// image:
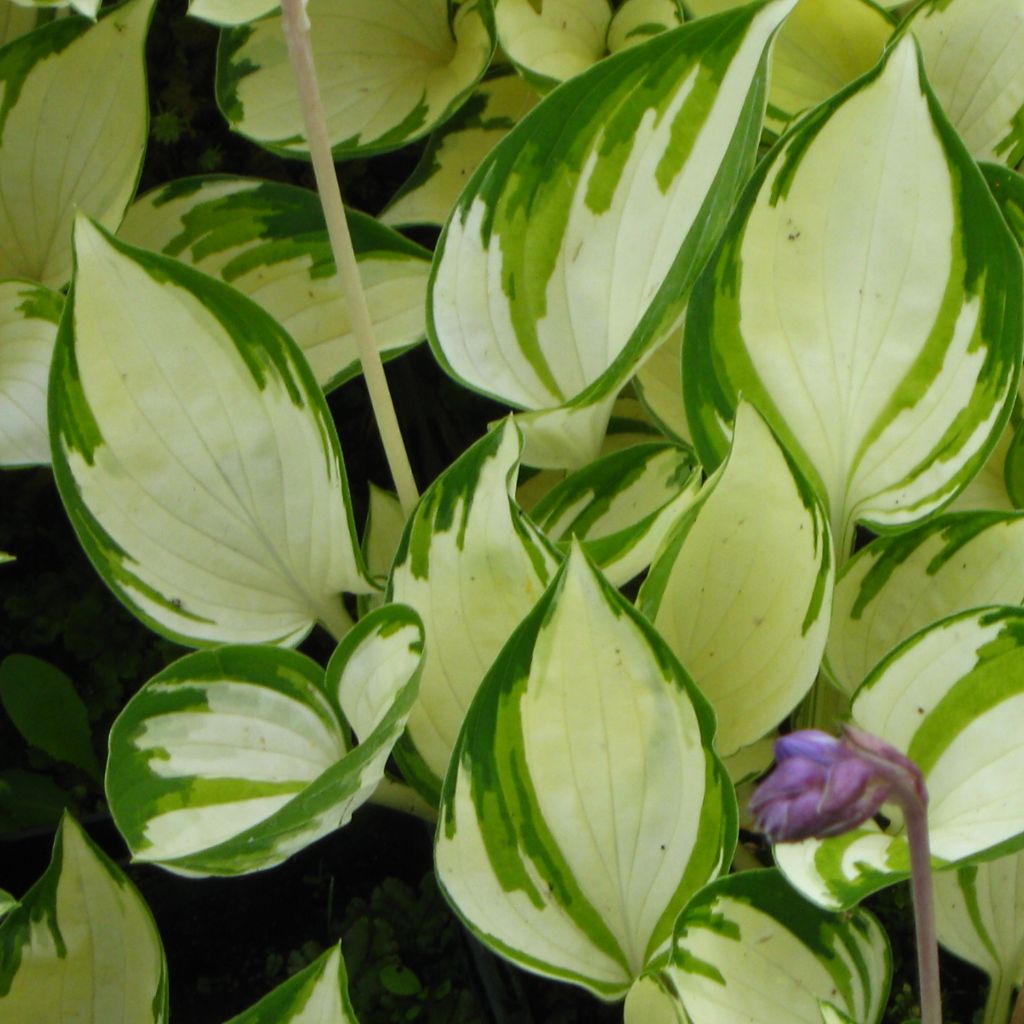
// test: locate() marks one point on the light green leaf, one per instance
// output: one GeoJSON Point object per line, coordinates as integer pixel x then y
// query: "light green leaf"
{"type": "Point", "coordinates": [5, 557]}
{"type": "Point", "coordinates": [742, 587]}
{"type": "Point", "coordinates": [318, 994]}
{"type": "Point", "coordinates": [979, 914]}
{"type": "Point", "coordinates": [231, 760]}
{"type": "Point", "coordinates": [988, 491]}
{"type": "Point", "coordinates": [621, 506]}
{"type": "Point", "coordinates": [7, 903]}
{"type": "Point", "coordinates": [472, 565]}
{"type": "Point", "coordinates": [898, 585]}
{"type": "Point", "coordinates": [73, 126]}
{"type": "Point", "coordinates": [635, 21]}
{"type": "Point", "coordinates": [886, 342]}
{"type": "Point", "coordinates": [824, 45]}
{"type": "Point", "coordinates": [86, 7]}
{"type": "Point", "coordinates": [385, 523]}
{"type": "Point", "coordinates": [569, 256]}
{"type": "Point", "coordinates": [554, 40]}
{"type": "Point", "coordinates": [269, 242]}
{"type": "Point", "coordinates": [974, 54]}
{"type": "Point", "coordinates": [29, 314]}
{"type": "Point", "coordinates": [584, 805]}
{"type": "Point", "coordinates": [456, 149]}
{"type": "Point", "coordinates": [659, 385]}
{"type": "Point", "coordinates": [952, 699]}
{"type": "Point", "coordinates": [196, 455]}
{"type": "Point", "coordinates": [653, 1000]}
{"type": "Point", "coordinates": [42, 703]}
{"type": "Point", "coordinates": [82, 946]}
{"type": "Point", "coordinates": [417, 67]}
{"type": "Point", "coordinates": [231, 12]}
{"type": "Point", "coordinates": [16, 20]}
{"type": "Point", "coordinates": [748, 950]}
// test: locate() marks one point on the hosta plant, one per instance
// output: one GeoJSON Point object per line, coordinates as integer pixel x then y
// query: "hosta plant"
{"type": "Point", "coordinates": [746, 284]}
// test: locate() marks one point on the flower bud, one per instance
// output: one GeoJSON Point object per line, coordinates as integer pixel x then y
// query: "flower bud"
{"type": "Point", "coordinates": [826, 785]}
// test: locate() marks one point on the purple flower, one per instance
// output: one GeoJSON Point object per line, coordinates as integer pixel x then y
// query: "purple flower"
{"type": "Point", "coordinates": [826, 785]}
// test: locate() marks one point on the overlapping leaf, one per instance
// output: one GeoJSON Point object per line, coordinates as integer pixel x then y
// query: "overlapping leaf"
{"type": "Point", "coordinates": [572, 249]}
{"type": "Point", "coordinates": [29, 314]}
{"type": "Point", "coordinates": [748, 950]}
{"type": "Point", "coordinates": [952, 699]}
{"type": "Point", "coordinates": [456, 149]}
{"type": "Point", "coordinates": [741, 589]}
{"type": "Point", "coordinates": [870, 307]}
{"type": "Point", "coordinates": [196, 455]}
{"type": "Point", "coordinates": [231, 760]}
{"type": "Point", "coordinates": [472, 565]}
{"type": "Point", "coordinates": [621, 506]}
{"type": "Point", "coordinates": [231, 12]}
{"type": "Point", "coordinates": [73, 124]}
{"type": "Point", "coordinates": [974, 53]}
{"type": "Point", "coordinates": [979, 914]}
{"type": "Point", "coordinates": [898, 585]}
{"type": "Point", "coordinates": [584, 805]}
{"type": "Point", "coordinates": [82, 946]}
{"type": "Point", "coordinates": [389, 72]}
{"type": "Point", "coordinates": [269, 241]}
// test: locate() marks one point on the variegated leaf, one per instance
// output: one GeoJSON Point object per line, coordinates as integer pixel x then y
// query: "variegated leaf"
{"type": "Point", "coordinates": [898, 585]}
{"type": "Point", "coordinates": [231, 12]}
{"type": "Point", "coordinates": [1013, 467]}
{"type": "Point", "coordinates": [554, 40]}
{"type": "Point", "coordinates": [269, 241]}
{"type": "Point", "coordinates": [742, 587]}
{"type": "Point", "coordinates": [231, 760]}
{"type": "Point", "coordinates": [29, 314]}
{"type": "Point", "coordinates": [748, 950]}
{"type": "Point", "coordinates": [73, 128]}
{"type": "Point", "coordinates": [621, 506]}
{"type": "Point", "coordinates": [196, 455]}
{"type": "Point", "coordinates": [989, 490]}
{"type": "Point", "coordinates": [456, 149]}
{"type": "Point", "coordinates": [952, 699]}
{"type": "Point", "coordinates": [318, 994]}
{"type": "Point", "coordinates": [87, 7]}
{"type": "Point", "coordinates": [1007, 189]}
{"type": "Point", "coordinates": [569, 257]}
{"type": "Point", "coordinates": [979, 914]}
{"type": "Point", "coordinates": [568, 842]}
{"type": "Point", "coordinates": [472, 565]}
{"type": "Point", "coordinates": [974, 54]}
{"type": "Point", "coordinates": [82, 946]}
{"type": "Point", "coordinates": [390, 71]}
{"type": "Point", "coordinates": [883, 343]}
{"type": "Point", "coordinates": [635, 21]}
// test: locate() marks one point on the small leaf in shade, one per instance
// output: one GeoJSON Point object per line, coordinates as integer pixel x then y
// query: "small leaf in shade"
{"type": "Point", "coordinates": [318, 994]}
{"type": "Point", "coordinates": [7, 902]}
{"type": "Point", "coordinates": [48, 712]}
{"type": "Point", "coordinates": [82, 946]}
{"type": "Point", "coordinates": [29, 800]}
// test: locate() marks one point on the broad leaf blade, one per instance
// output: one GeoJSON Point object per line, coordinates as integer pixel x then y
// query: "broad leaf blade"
{"type": "Point", "coordinates": [231, 12]}
{"type": "Point", "coordinates": [231, 760]}
{"type": "Point", "coordinates": [898, 585]}
{"type": "Point", "coordinates": [569, 256]}
{"type": "Point", "coordinates": [29, 314]}
{"type": "Point", "coordinates": [269, 242]}
{"type": "Point", "coordinates": [417, 67]}
{"type": "Point", "coordinates": [952, 699]}
{"type": "Point", "coordinates": [748, 950]}
{"type": "Point", "coordinates": [82, 945]}
{"type": "Point", "coordinates": [974, 53]}
{"type": "Point", "coordinates": [472, 566]}
{"type": "Point", "coordinates": [742, 587]}
{"type": "Point", "coordinates": [196, 455]}
{"type": "Point", "coordinates": [318, 994]}
{"type": "Point", "coordinates": [72, 135]}
{"type": "Point", "coordinates": [885, 345]}
{"type": "Point", "coordinates": [539, 845]}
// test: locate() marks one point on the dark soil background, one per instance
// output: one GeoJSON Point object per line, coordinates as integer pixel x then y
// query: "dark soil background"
{"type": "Point", "coordinates": [228, 942]}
